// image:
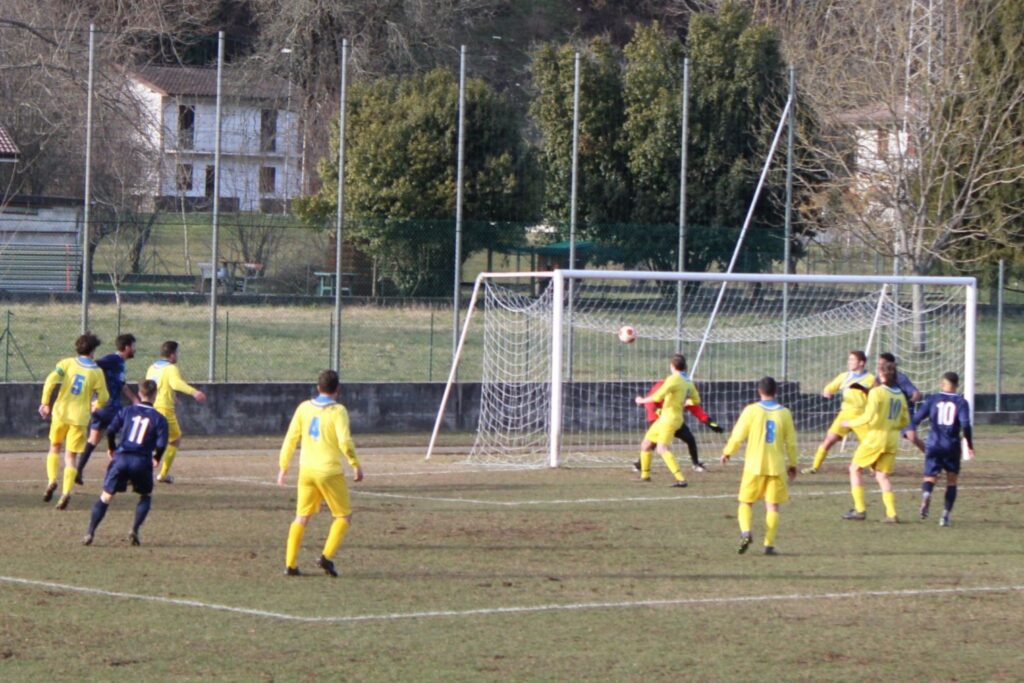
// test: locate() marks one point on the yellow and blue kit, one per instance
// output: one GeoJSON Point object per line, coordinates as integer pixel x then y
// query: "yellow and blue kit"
{"type": "Point", "coordinates": [767, 428]}
{"type": "Point", "coordinates": [168, 380]}
{"type": "Point", "coordinates": [853, 399]}
{"type": "Point", "coordinates": [80, 378]}
{"type": "Point", "coordinates": [673, 394]}
{"type": "Point", "coordinates": [320, 428]}
{"type": "Point", "coordinates": [884, 416]}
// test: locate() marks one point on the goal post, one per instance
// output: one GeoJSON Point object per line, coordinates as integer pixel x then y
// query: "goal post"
{"type": "Point", "coordinates": [535, 411]}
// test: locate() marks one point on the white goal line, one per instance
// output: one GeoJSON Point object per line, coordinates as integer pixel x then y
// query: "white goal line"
{"type": "Point", "coordinates": [525, 609]}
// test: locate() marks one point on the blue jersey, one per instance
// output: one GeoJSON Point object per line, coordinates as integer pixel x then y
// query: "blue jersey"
{"type": "Point", "coordinates": [950, 416]}
{"type": "Point", "coordinates": [113, 368]}
{"type": "Point", "coordinates": [140, 430]}
{"type": "Point", "coordinates": [905, 385]}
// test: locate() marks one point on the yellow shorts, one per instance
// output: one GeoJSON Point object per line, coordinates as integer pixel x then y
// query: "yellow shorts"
{"type": "Point", "coordinates": [74, 434]}
{"type": "Point", "coordinates": [173, 428]}
{"type": "Point", "coordinates": [755, 487]}
{"type": "Point", "coordinates": [315, 487]}
{"type": "Point", "coordinates": [839, 430]}
{"type": "Point", "coordinates": [663, 431]}
{"type": "Point", "coordinates": [880, 461]}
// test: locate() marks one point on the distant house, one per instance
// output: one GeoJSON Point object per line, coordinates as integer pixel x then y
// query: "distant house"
{"type": "Point", "coordinates": [882, 151]}
{"type": "Point", "coordinates": [261, 158]}
{"type": "Point", "coordinates": [40, 241]}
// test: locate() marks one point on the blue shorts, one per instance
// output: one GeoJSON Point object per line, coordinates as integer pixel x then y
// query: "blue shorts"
{"type": "Point", "coordinates": [129, 468]}
{"type": "Point", "coordinates": [102, 418]}
{"type": "Point", "coordinates": [935, 462]}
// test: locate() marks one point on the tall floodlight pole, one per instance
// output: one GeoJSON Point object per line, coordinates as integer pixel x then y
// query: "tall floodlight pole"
{"type": "Point", "coordinates": [786, 255]}
{"type": "Point", "coordinates": [572, 199]}
{"type": "Point", "coordinates": [86, 213]}
{"type": "Point", "coordinates": [287, 137]}
{"type": "Point", "coordinates": [340, 216]}
{"type": "Point", "coordinates": [681, 249]}
{"type": "Point", "coordinates": [459, 155]}
{"type": "Point", "coordinates": [214, 242]}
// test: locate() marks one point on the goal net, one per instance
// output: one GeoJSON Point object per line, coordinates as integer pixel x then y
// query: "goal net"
{"type": "Point", "coordinates": [557, 385]}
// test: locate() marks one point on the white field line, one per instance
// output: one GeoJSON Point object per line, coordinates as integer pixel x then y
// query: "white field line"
{"type": "Point", "coordinates": [356, 491]}
{"type": "Point", "coordinates": [525, 609]}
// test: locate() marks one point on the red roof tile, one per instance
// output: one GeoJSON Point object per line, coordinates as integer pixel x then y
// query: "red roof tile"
{"type": "Point", "coordinates": [191, 81]}
{"type": "Point", "coordinates": [8, 150]}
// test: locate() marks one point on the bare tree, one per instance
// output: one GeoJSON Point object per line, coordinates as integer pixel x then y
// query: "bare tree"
{"type": "Point", "coordinates": [921, 140]}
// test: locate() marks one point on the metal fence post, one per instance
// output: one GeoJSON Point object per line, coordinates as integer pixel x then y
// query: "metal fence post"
{"type": "Point", "coordinates": [86, 217]}
{"type": "Point", "coordinates": [999, 336]}
{"type": "Point", "coordinates": [214, 245]}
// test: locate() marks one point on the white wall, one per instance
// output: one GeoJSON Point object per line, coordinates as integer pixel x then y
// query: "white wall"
{"type": "Point", "coordinates": [241, 158]}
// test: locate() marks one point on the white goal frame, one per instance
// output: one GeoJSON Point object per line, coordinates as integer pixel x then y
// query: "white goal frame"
{"type": "Point", "coordinates": [559, 277]}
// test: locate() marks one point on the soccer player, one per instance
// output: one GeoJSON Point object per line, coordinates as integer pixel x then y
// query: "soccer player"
{"type": "Point", "coordinates": [321, 426]}
{"type": "Point", "coordinates": [950, 417]}
{"type": "Point", "coordinates": [113, 367]}
{"type": "Point", "coordinates": [684, 433]}
{"type": "Point", "coordinates": [768, 429]}
{"type": "Point", "coordinates": [884, 416]}
{"type": "Point", "coordinates": [168, 380]}
{"type": "Point", "coordinates": [673, 395]}
{"type": "Point", "coordinates": [902, 381]}
{"type": "Point", "coordinates": [853, 386]}
{"type": "Point", "coordinates": [79, 379]}
{"type": "Point", "coordinates": [142, 433]}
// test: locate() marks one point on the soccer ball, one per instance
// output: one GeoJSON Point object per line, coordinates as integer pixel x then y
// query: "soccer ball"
{"type": "Point", "coordinates": [627, 335]}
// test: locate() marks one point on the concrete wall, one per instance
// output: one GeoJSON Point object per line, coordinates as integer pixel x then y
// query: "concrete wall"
{"type": "Point", "coordinates": [266, 408]}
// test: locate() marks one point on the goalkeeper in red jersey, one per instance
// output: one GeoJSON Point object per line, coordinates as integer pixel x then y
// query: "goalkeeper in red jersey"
{"type": "Point", "coordinates": [684, 433]}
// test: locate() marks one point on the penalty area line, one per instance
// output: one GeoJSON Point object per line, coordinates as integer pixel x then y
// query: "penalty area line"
{"type": "Point", "coordinates": [525, 609]}
{"type": "Point", "coordinates": [357, 492]}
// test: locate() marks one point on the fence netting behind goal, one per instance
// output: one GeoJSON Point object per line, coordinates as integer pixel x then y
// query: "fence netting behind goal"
{"type": "Point", "coordinates": [922, 325]}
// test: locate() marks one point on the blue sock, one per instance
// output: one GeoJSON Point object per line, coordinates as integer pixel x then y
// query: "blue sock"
{"type": "Point", "coordinates": [99, 510]}
{"type": "Point", "coordinates": [141, 510]}
{"type": "Point", "coordinates": [84, 457]}
{"type": "Point", "coordinates": [927, 488]}
{"type": "Point", "coordinates": [950, 499]}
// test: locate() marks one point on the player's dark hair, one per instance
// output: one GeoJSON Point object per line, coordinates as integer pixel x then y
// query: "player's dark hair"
{"type": "Point", "coordinates": [167, 348]}
{"type": "Point", "coordinates": [860, 355]}
{"type": "Point", "coordinates": [679, 362]}
{"type": "Point", "coordinates": [123, 341]}
{"type": "Point", "coordinates": [147, 388]}
{"type": "Point", "coordinates": [768, 386]}
{"type": "Point", "coordinates": [888, 373]}
{"type": "Point", "coordinates": [327, 382]}
{"type": "Point", "coordinates": [952, 378]}
{"type": "Point", "coordinates": [888, 357]}
{"type": "Point", "coordinates": [86, 344]}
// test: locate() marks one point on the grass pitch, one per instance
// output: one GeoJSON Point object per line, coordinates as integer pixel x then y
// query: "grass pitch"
{"type": "Point", "coordinates": [452, 572]}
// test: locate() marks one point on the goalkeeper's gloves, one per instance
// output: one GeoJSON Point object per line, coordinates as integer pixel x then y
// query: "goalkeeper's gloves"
{"type": "Point", "coordinates": [715, 427]}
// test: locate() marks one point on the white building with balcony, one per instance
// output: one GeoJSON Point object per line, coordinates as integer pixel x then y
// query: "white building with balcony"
{"type": "Point", "coordinates": [261, 152]}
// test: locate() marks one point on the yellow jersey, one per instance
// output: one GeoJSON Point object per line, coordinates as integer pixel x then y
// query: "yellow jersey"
{"type": "Point", "coordinates": [853, 399]}
{"type": "Point", "coordinates": [768, 429]}
{"type": "Point", "coordinates": [168, 380]}
{"type": "Point", "coordinates": [673, 394]}
{"type": "Point", "coordinates": [321, 424]}
{"type": "Point", "coordinates": [884, 416]}
{"type": "Point", "coordinates": [79, 378]}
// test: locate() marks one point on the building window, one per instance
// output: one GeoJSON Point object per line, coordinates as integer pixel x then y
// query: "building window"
{"type": "Point", "coordinates": [268, 179]}
{"type": "Point", "coordinates": [268, 130]}
{"type": "Point", "coordinates": [186, 126]}
{"type": "Point", "coordinates": [184, 177]}
{"type": "Point", "coordinates": [210, 171]}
